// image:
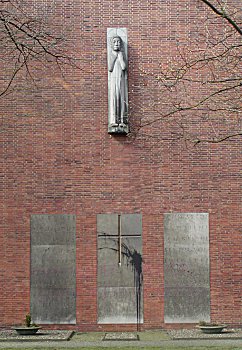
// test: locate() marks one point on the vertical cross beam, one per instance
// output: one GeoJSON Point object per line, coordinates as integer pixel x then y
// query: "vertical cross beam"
{"type": "Point", "coordinates": [119, 241]}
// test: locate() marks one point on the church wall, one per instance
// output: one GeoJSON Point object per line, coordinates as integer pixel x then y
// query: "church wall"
{"type": "Point", "coordinates": [58, 158]}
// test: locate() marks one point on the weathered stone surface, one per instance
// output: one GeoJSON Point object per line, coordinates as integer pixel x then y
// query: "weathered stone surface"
{"type": "Point", "coordinates": [53, 229]}
{"type": "Point", "coordinates": [186, 267]}
{"type": "Point", "coordinates": [53, 269]}
{"type": "Point", "coordinates": [120, 277]}
{"type": "Point", "coordinates": [52, 266]}
{"type": "Point", "coordinates": [110, 274]}
{"type": "Point", "coordinates": [131, 224]}
{"type": "Point", "coordinates": [107, 224]}
{"type": "Point", "coordinates": [53, 305]}
{"type": "Point", "coordinates": [119, 305]}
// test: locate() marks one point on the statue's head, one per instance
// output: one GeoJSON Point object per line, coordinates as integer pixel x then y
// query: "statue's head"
{"type": "Point", "coordinates": [116, 43]}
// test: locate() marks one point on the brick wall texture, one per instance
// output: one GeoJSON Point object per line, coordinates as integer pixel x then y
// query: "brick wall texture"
{"type": "Point", "coordinates": [57, 158]}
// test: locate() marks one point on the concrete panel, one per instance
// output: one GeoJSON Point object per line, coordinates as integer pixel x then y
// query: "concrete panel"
{"type": "Point", "coordinates": [120, 296]}
{"type": "Point", "coordinates": [53, 269]}
{"type": "Point", "coordinates": [119, 305]}
{"type": "Point", "coordinates": [53, 229]}
{"type": "Point", "coordinates": [53, 305]}
{"type": "Point", "coordinates": [52, 266]}
{"type": "Point", "coordinates": [131, 224]}
{"type": "Point", "coordinates": [109, 272]}
{"type": "Point", "coordinates": [186, 267]}
{"type": "Point", "coordinates": [107, 224]}
{"type": "Point", "coordinates": [190, 307]}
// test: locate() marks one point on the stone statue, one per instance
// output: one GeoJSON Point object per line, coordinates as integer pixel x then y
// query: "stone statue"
{"type": "Point", "coordinates": [118, 86]}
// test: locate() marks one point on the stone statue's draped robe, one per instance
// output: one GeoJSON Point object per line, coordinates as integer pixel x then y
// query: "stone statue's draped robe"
{"type": "Point", "coordinates": [118, 91]}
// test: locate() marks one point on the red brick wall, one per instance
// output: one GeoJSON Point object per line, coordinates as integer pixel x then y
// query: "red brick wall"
{"type": "Point", "coordinates": [58, 158]}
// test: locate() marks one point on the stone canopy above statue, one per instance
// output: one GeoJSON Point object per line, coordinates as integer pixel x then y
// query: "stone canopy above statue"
{"type": "Point", "coordinates": [117, 55]}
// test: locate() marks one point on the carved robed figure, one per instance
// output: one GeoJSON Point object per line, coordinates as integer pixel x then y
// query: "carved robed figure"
{"type": "Point", "coordinates": [118, 89]}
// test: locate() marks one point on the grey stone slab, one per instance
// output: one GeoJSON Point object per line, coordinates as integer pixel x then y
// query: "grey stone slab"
{"type": "Point", "coordinates": [53, 229]}
{"type": "Point", "coordinates": [120, 275]}
{"type": "Point", "coordinates": [110, 273]}
{"type": "Point", "coordinates": [186, 267]}
{"type": "Point", "coordinates": [53, 266]}
{"type": "Point", "coordinates": [53, 269]}
{"type": "Point", "coordinates": [187, 304]}
{"type": "Point", "coordinates": [107, 224]}
{"type": "Point", "coordinates": [53, 305]}
{"type": "Point", "coordinates": [119, 306]}
{"type": "Point", "coordinates": [131, 224]}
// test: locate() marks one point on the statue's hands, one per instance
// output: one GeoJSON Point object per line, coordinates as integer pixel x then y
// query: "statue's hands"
{"type": "Point", "coordinates": [116, 56]}
{"type": "Point", "coordinates": [120, 54]}
{"type": "Point", "coordinates": [121, 60]}
{"type": "Point", "coordinates": [115, 53]}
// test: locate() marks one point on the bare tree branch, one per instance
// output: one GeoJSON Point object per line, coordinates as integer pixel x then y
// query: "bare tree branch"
{"type": "Point", "coordinates": [26, 40]}
{"type": "Point", "coordinates": [195, 106]}
{"type": "Point", "coordinates": [197, 94]}
{"type": "Point", "coordinates": [224, 15]}
{"type": "Point", "coordinates": [217, 140]}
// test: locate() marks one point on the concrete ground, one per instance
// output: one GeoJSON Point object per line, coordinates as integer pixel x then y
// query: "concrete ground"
{"type": "Point", "coordinates": [161, 339]}
{"type": "Point", "coordinates": [234, 344]}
